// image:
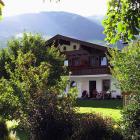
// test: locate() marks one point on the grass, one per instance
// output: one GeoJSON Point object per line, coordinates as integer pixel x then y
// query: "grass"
{"type": "Point", "coordinates": [110, 108]}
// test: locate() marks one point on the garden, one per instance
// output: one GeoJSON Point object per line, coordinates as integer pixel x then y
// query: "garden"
{"type": "Point", "coordinates": [107, 108]}
{"type": "Point", "coordinates": [34, 106]}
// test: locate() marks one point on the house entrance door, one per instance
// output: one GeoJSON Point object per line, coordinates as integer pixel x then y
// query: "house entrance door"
{"type": "Point", "coordinates": [92, 87]}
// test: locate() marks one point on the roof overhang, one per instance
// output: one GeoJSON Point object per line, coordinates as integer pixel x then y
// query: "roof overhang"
{"type": "Point", "coordinates": [91, 76]}
{"type": "Point", "coordinates": [84, 43]}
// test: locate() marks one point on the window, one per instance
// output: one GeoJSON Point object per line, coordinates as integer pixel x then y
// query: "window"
{"type": "Point", "coordinates": [73, 84]}
{"type": "Point", "coordinates": [64, 48]}
{"type": "Point", "coordinates": [106, 85]}
{"type": "Point", "coordinates": [74, 47]}
{"type": "Point", "coordinates": [70, 62]}
{"type": "Point", "coordinates": [66, 63]}
{"type": "Point", "coordinates": [103, 61]}
{"type": "Point", "coordinates": [75, 61]}
{"type": "Point", "coordinates": [92, 61]}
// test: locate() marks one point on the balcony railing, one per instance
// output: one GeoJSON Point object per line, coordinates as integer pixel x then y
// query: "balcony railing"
{"type": "Point", "coordinates": [89, 70]}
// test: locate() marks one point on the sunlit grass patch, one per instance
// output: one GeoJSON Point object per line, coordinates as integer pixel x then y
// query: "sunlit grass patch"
{"type": "Point", "coordinates": [109, 108]}
{"type": "Point", "coordinates": [113, 113]}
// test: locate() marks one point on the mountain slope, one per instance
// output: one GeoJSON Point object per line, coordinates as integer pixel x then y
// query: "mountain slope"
{"type": "Point", "coordinates": [50, 24]}
{"type": "Point", "coordinates": [97, 19]}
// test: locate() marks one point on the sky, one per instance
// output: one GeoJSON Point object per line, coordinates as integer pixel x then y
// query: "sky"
{"type": "Point", "coordinates": [81, 7]}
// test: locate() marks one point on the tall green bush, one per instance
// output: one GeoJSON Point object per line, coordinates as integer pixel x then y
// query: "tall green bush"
{"type": "Point", "coordinates": [126, 69]}
{"type": "Point", "coordinates": [131, 120]}
{"type": "Point", "coordinates": [33, 93]}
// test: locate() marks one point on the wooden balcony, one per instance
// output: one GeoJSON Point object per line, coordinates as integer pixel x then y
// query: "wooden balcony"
{"type": "Point", "coordinates": [89, 70]}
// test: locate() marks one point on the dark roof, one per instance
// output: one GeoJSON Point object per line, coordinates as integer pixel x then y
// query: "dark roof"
{"type": "Point", "coordinates": [84, 43]}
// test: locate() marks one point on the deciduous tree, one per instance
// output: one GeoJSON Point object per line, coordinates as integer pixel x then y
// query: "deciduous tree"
{"type": "Point", "coordinates": [34, 90]}
{"type": "Point", "coordinates": [122, 21]}
{"type": "Point", "coordinates": [126, 69]}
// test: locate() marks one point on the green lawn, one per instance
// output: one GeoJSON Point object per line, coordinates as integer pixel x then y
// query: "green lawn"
{"type": "Point", "coordinates": [110, 108]}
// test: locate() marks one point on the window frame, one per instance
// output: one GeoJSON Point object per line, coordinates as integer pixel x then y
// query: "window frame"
{"type": "Point", "coordinates": [64, 48]}
{"type": "Point", "coordinates": [101, 60]}
{"type": "Point", "coordinates": [109, 80]}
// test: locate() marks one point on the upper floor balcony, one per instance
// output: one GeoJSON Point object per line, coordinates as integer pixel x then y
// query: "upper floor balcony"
{"type": "Point", "coordinates": [89, 70]}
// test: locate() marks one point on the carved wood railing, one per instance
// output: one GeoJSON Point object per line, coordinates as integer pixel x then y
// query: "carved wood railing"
{"type": "Point", "coordinates": [89, 70]}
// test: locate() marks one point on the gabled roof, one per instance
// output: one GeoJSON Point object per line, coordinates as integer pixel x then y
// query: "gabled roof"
{"type": "Point", "coordinates": [84, 43]}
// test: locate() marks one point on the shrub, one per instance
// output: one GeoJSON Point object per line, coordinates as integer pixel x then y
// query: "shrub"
{"type": "Point", "coordinates": [71, 126]}
{"type": "Point", "coordinates": [3, 130]}
{"type": "Point", "coordinates": [52, 128]}
{"type": "Point", "coordinates": [95, 127]}
{"type": "Point", "coordinates": [131, 120]}
{"type": "Point", "coordinates": [52, 122]}
{"type": "Point", "coordinates": [117, 133]}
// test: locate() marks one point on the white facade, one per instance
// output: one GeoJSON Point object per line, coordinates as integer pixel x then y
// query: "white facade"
{"type": "Point", "coordinates": [82, 83]}
{"type": "Point", "coordinates": [70, 47]}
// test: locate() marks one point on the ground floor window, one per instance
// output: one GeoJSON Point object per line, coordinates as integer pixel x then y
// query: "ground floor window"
{"type": "Point", "coordinates": [106, 84]}
{"type": "Point", "coordinates": [73, 84]}
{"type": "Point", "coordinates": [66, 63]}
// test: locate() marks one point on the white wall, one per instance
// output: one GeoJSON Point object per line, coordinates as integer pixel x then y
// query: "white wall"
{"type": "Point", "coordinates": [70, 48]}
{"type": "Point", "coordinates": [83, 84]}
